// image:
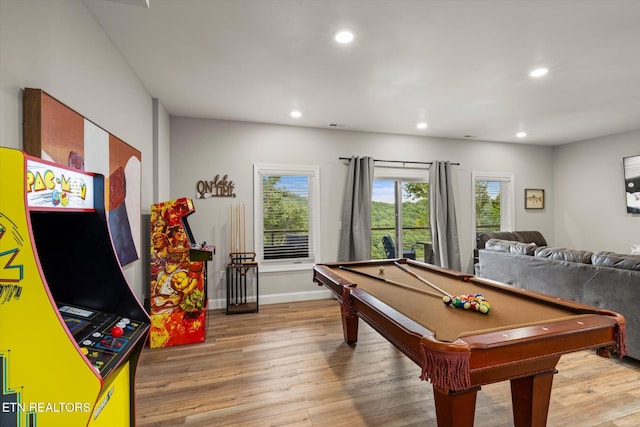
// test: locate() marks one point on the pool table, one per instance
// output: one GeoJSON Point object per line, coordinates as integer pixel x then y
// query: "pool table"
{"type": "Point", "coordinates": [520, 339]}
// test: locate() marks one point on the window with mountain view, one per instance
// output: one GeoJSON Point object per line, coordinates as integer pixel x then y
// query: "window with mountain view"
{"type": "Point", "coordinates": [287, 213]}
{"type": "Point", "coordinates": [399, 211]}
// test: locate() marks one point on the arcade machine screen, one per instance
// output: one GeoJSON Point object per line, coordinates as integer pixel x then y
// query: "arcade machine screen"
{"type": "Point", "coordinates": [85, 281]}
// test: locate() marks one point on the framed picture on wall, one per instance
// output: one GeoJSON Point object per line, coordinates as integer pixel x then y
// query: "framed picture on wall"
{"type": "Point", "coordinates": [632, 183]}
{"type": "Point", "coordinates": [55, 132]}
{"type": "Point", "coordinates": [533, 198]}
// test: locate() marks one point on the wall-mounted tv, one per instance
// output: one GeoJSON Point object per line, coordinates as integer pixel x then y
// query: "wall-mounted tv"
{"type": "Point", "coordinates": [632, 183]}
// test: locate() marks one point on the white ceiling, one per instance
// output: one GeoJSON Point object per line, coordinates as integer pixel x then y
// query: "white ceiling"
{"type": "Point", "coordinates": [460, 65]}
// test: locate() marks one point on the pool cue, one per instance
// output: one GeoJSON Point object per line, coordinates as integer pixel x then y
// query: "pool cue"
{"type": "Point", "coordinates": [244, 249]}
{"type": "Point", "coordinates": [422, 279]}
{"type": "Point", "coordinates": [391, 282]}
{"type": "Point", "coordinates": [231, 228]}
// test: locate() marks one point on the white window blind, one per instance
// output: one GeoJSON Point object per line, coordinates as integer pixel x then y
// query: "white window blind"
{"type": "Point", "coordinates": [493, 202]}
{"type": "Point", "coordinates": [287, 213]}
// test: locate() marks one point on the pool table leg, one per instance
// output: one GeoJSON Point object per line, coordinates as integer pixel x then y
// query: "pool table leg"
{"type": "Point", "coordinates": [530, 398]}
{"type": "Point", "coordinates": [350, 327]}
{"type": "Point", "coordinates": [455, 408]}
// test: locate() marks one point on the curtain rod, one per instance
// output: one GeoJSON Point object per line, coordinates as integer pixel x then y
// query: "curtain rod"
{"type": "Point", "coordinates": [399, 161]}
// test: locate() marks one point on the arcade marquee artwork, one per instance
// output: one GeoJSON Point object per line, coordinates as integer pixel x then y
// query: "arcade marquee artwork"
{"type": "Point", "coordinates": [73, 362]}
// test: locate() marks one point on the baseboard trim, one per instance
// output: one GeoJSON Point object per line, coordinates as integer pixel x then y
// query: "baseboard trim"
{"type": "Point", "coordinates": [278, 298]}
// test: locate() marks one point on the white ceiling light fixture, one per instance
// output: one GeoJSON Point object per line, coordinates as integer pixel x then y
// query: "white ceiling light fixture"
{"type": "Point", "coordinates": [295, 114]}
{"type": "Point", "coordinates": [422, 125]}
{"type": "Point", "coordinates": [521, 134]}
{"type": "Point", "coordinates": [539, 72]}
{"type": "Point", "coordinates": [344, 37]}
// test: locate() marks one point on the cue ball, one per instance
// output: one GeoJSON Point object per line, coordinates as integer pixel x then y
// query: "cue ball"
{"type": "Point", "coordinates": [381, 269]}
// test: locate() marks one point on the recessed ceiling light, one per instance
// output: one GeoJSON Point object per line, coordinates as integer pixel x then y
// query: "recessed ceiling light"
{"type": "Point", "coordinates": [422, 125]}
{"type": "Point", "coordinates": [521, 134]}
{"type": "Point", "coordinates": [295, 114]}
{"type": "Point", "coordinates": [539, 72]}
{"type": "Point", "coordinates": [344, 36]}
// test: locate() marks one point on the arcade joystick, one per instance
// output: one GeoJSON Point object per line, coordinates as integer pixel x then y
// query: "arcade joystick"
{"type": "Point", "coordinates": [116, 331]}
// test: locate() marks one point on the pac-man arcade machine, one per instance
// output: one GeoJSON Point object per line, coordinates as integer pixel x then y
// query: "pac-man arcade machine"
{"type": "Point", "coordinates": [71, 329]}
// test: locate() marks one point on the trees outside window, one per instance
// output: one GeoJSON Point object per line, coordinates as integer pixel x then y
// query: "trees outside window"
{"type": "Point", "coordinates": [493, 202]}
{"type": "Point", "coordinates": [400, 208]}
{"type": "Point", "coordinates": [286, 214]}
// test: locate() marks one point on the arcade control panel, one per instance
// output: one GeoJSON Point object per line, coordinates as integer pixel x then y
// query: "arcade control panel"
{"type": "Point", "coordinates": [103, 338]}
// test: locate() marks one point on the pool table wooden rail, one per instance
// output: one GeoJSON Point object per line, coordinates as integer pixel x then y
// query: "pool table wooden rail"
{"type": "Point", "coordinates": [400, 330]}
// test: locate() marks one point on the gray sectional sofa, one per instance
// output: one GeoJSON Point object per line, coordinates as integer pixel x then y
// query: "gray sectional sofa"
{"type": "Point", "coordinates": [602, 279]}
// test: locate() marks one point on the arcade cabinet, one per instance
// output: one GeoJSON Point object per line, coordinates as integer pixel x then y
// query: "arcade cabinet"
{"type": "Point", "coordinates": [178, 295]}
{"type": "Point", "coordinates": [71, 329]}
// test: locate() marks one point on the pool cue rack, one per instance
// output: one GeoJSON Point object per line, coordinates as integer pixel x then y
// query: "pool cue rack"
{"type": "Point", "coordinates": [242, 283]}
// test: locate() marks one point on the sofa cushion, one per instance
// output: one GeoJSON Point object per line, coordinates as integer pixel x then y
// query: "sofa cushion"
{"type": "Point", "coordinates": [483, 237]}
{"type": "Point", "coordinates": [530, 237]}
{"type": "Point", "coordinates": [564, 254]}
{"type": "Point", "coordinates": [536, 237]}
{"type": "Point", "coordinates": [510, 246]}
{"type": "Point", "coordinates": [612, 259]}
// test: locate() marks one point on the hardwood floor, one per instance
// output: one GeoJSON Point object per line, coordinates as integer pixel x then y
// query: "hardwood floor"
{"type": "Point", "coordinates": [288, 366]}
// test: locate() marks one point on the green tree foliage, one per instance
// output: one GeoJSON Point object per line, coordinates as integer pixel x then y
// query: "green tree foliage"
{"type": "Point", "coordinates": [283, 210]}
{"type": "Point", "coordinates": [417, 191]}
{"type": "Point", "coordinates": [487, 208]}
{"type": "Point", "coordinates": [415, 221]}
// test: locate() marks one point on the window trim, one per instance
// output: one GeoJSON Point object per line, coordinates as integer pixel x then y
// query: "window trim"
{"type": "Point", "coordinates": [291, 264]}
{"type": "Point", "coordinates": [492, 176]}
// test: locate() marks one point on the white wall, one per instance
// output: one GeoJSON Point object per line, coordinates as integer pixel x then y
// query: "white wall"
{"type": "Point", "coordinates": [201, 149]}
{"type": "Point", "coordinates": [57, 46]}
{"type": "Point", "coordinates": [590, 211]}
{"type": "Point", "coordinates": [161, 150]}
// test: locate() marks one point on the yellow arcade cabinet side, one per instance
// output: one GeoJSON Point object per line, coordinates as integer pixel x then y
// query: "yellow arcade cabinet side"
{"type": "Point", "coordinates": [71, 329]}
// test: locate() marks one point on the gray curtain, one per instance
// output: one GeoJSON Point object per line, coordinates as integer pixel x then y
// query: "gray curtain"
{"type": "Point", "coordinates": [355, 233]}
{"type": "Point", "coordinates": [444, 229]}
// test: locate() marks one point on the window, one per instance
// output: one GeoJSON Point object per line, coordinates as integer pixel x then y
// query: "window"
{"type": "Point", "coordinates": [399, 211]}
{"type": "Point", "coordinates": [493, 202]}
{"type": "Point", "coordinates": [286, 215]}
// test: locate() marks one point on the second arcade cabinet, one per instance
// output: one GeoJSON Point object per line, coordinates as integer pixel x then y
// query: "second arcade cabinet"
{"type": "Point", "coordinates": [178, 295]}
